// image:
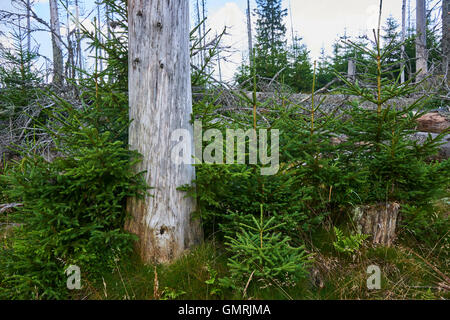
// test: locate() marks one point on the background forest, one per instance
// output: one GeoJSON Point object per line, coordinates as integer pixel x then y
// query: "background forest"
{"type": "Point", "coordinates": [363, 179]}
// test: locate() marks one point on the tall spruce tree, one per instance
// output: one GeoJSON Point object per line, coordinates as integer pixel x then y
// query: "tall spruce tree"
{"type": "Point", "coordinates": [300, 74]}
{"type": "Point", "coordinates": [324, 70]}
{"type": "Point", "coordinates": [391, 37]}
{"type": "Point", "coordinates": [271, 53]}
{"type": "Point", "coordinates": [18, 76]}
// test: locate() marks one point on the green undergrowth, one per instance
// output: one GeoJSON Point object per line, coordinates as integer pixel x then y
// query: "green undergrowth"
{"type": "Point", "coordinates": [409, 270]}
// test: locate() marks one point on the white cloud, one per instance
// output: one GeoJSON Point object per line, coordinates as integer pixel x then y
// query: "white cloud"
{"type": "Point", "coordinates": [232, 17]}
{"type": "Point", "coordinates": [320, 22]}
{"type": "Point", "coordinates": [6, 42]}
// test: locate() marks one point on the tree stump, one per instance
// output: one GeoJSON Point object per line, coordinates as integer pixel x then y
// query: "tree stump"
{"type": "Point", "coordinates": [378, 221]}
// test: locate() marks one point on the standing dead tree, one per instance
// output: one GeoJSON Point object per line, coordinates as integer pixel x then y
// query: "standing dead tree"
{"type": "Point", "coordinates": [446, 38]}
{"type": "Point", "coordinates": [160, 101]}
{"type": "Point", "coordinates": [403, 52]}
{"type": "Point", "coordinates": [12, 19]}
{"type": "Point", "coordinates": [249, 32]}
{"type": "Point", "coordinates": [58, 63]}
{"type": "Point", "coordinates": [421, 39]}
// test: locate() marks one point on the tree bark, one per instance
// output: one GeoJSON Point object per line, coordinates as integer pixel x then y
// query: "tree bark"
{"type": "Point", "coordinates": [421, 39]}
{"type": "Point", "coordinates": [446, 37]}
{"type": "Point", "coordinates": [160, 102]}
{"type": "Point", "coordinates": [378, 221]}
{"type": "Point", "coordinates": [58, 63]}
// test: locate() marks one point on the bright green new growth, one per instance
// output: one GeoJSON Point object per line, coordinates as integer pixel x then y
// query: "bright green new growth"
{"type": "Point", "coordinates": [74, 205]}
{"type": "Point", "coordinates": [260, 255]}
{"type": "Point", "coordinates": [380, 139]}
{"type": "Point", "coordinates": [348, 244]}
{"type": "Point", "coordinates": [73, 210]}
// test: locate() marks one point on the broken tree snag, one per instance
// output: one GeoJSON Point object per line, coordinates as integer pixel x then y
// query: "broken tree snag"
{"type": "Point", "coordinates": [421, 39]}
{"type": "Point", "coordinates": [58, 63]}
{"type": "Point", "coordinates": [378, 221]}
{"type": "Point", "coordinates": [351, 71]}
{"type": "Point", "coordinates": [160, 103]}
{"type": "Point", "coordinates": [446, 38]}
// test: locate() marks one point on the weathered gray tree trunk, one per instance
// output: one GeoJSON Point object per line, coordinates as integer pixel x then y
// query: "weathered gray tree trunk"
{"type": "Point", "coordinates": [79, 51]}
{"type": "Point", "coordinates": [161, 102]}
{"type": "Point", "coordinates": [446, 37]}
{"type": "Point", "coordinates": [28, 26]}
{"type": "Point", "coordinates": [351, 70]}
{"type": "Point", "coordinates": [409, 18]}
{"type": "Point", "coordinates": [204, 29]}
{"type": "Point", "coordinates": [218, 62]}
{"type": "Point", "coordinates": [109, 19]}
{"type": "Point", "coordinates": [249, 34]}
{"type": "Point", "coordinates": [421, 39]}
{"type": "Point", "coordinates": [402, 80]}
{"type": "Point", "coordinates": [99, 36]}
{"type": "Point", "coordinates": [199, 20]}
{"type": "Point", "coordinates": [378, 221]}
{"type": "Point", "coordinates": [58, 63]}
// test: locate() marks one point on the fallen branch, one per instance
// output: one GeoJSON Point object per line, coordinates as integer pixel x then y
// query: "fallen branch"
{"type": "Point", "coordinates": [6, 206]}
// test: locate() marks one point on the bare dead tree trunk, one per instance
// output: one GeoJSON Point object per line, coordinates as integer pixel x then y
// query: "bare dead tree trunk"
{"type": "Point", "coordinates": [421, 39]}
{"type": "Point", "coordinates": [70, 54]}
{"type": "Point", "coordinates": [351, 70]}
{"type": "Point", "coordinates": [79, 59]}
{"type": "Point", "coordinates": [204, 25]}
{"type": "Point", "coordinates": [28, 26]}
{"type": "Point", "coordinates": [249, 31]}
{"type": "Point", "coordinates": [446, 37]}
{"type": "Point", "coordinates": [218, 62]}
{"type": "Point", "coordinates": [199, 20]}
{"type": "Point", "coordinates": [292, 30]}
{"type": "Point", "coordinates": [161, 102]}
{"type": "Point", "coordinates": [99, 36]}
{"type": "Point", "coordinates": [109, 19]}
{"type": "Point", "coordinates": [402, 80]}
{"type": "Point", "coordinates": [58, 63]}
{"type": "Point", "coordinates": [409, 17]}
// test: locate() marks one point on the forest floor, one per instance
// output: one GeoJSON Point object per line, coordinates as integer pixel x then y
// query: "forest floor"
{"type": "Point", "coordinates": [409, 270]}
